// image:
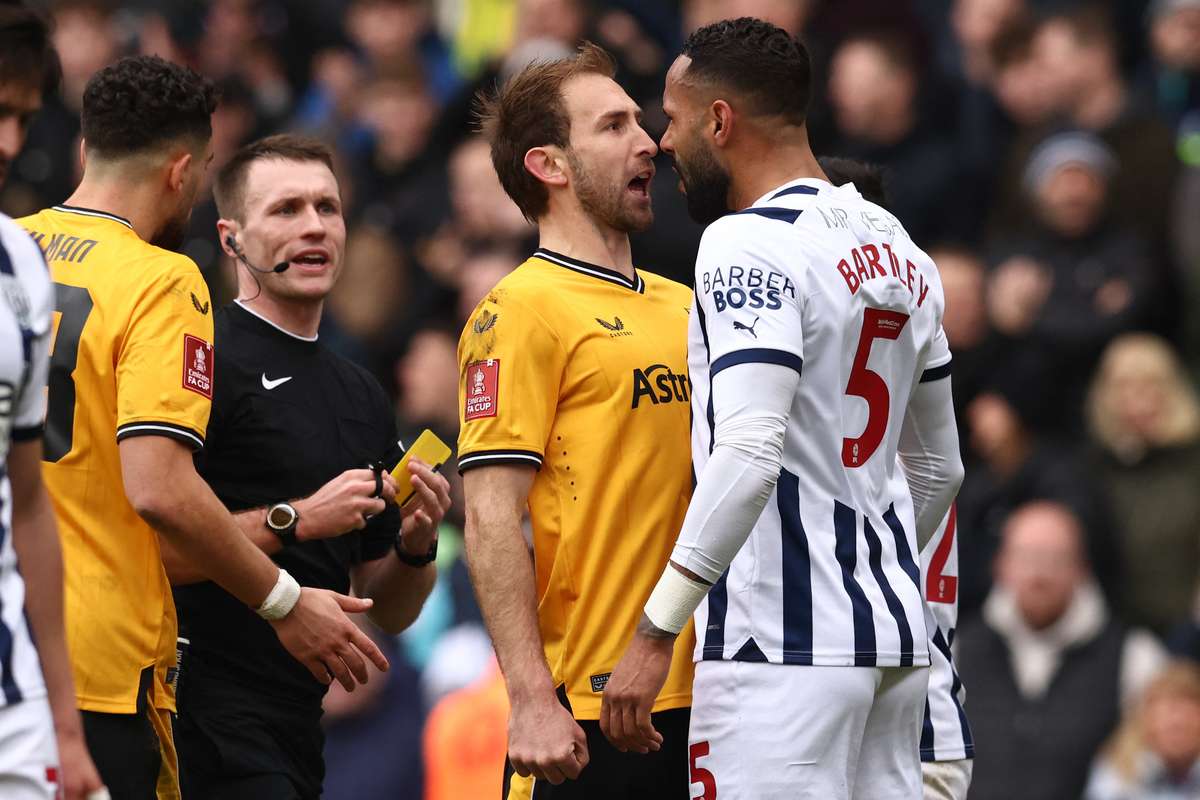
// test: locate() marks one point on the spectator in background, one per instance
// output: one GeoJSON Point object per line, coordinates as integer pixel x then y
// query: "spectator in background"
{"type": "Point", "coordinates": [1048, 666]}
{"type": "Point", "coordinates": [394, 35]}
{"type": "Point", "coordinates": [966, 325]}
{"type": "Point", "coordinates": [1175, 40]}
{"type": "Point", "coordinates": [466, 741]}
{"type": "Point", "coordinates": [427, 380]}
{"type": "Point", "coordinates": [977, 25]}
{"type": "Point", "coordinates": [393, 185]}
{"type": "Point", "coordinates": [367, 307]}
{"type": "Point", "coordinates": [1077, 53]}
{"type": "Point", "coordinates": [479, 274]}
{"type": "Point", "coordinates": [1145, 422]}
{"type": "Point", "coordinates": [1008, 466]}
{"type": "Point", "coordinates": [1155, 754]}
{"type": "Point", "coordinates": [373, 735]}
{"type": "Point", "coordinates": [86, 38]}
{"type": "Point", "coordinates": [484, 217]}
{"type": "Point", "coordinates": [1062, 291]}
{"type": "Point", "coordinates": [1175, 37]}
{"type": "Point", "coordinates": [873, 89]}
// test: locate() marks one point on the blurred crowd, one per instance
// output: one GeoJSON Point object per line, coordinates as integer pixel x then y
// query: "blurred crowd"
{"type": "Point", "coordinates": [1046, 153]}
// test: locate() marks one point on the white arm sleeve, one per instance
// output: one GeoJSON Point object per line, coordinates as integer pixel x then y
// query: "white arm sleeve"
{"type": "Point", "coordinates": [751, 419]}
{"type": "Point", "coordinates": [929, 454]}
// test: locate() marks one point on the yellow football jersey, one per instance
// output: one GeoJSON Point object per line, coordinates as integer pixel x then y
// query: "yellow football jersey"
{"type": "Point", "coordinates": [576, 370]}
{"type": "Point", "coordinates": [132, 356]}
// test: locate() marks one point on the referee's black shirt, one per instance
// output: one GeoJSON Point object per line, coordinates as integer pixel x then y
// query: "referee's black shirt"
{"type": "Point", "coordinates": [287, 417]}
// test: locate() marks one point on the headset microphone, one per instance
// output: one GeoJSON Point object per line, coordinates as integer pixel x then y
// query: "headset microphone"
{"type": "Point", "coordinates": [282, 266]}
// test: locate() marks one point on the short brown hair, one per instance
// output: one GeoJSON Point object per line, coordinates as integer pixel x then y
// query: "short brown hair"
{"type": "Point", "coordinates": [527, 112]}
{"type": "Point", "coordinates": [229, 189]}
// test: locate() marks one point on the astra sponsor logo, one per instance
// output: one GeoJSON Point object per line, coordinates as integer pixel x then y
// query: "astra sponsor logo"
{"type": "Point", "coordinates": [747, 287]}
{"type": "Point", "coordinates": [659, 384]}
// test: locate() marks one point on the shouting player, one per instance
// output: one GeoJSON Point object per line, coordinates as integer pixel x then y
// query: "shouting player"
{"type": "Point", "coordinates": [575, 404]}
{"type": "Point", "coordinates": [816, 356]}
{"type": "Point", "coordinates": [130, 392]}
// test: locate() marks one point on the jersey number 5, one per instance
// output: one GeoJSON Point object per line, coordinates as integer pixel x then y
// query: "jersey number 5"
{"type": "Point", "coordinates": [700, 775]}
{"type": "Point", "coordinates": [73, 304]}
{"type": "Point", "coordinates": [870, 386]}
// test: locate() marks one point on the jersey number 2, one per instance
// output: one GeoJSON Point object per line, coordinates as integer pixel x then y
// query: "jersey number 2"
{"type": "Point", "coordinates": [74, 304]}
{"type": "Point", "coordinates": [870, 386]}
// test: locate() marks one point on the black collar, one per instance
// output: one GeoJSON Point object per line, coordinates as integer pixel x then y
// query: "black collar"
{"type": "Point", "coordinates": [91, 212]}
{"type": "Point", "coordinates": [594, 270]}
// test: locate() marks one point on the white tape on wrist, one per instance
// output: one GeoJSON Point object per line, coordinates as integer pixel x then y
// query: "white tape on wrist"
{"type": "Point", "coordinates": [282, 599]}
{"type": "Point", "coordinates": [674, 599]}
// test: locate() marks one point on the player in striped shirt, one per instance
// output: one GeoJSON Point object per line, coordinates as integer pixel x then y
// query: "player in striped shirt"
{"type": "Point", "coordinates": [42, 750]}
{"type": "Point", "coordinates": [817, 358]}
{"type": "Point", "coordinates": [947, 746]}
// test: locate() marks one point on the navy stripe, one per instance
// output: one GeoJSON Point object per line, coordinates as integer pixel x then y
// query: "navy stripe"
{"type": "Point", "coordinates": [718, 606]}
{"type": "Point", "coordinates": [712, 425]}
{"type": "Point", "coordinates": [795, 190]}
{"type": "Point", "coordinates": [955, 687]}
{"type": "Point", "coordinates": [927, 748]}
{"type": "Point", "coordinates": [788, 215]}
{"type": "Point", "coordinates": [847, 556]}
{"type": "Point", "coordinates": [6, 265]}
{"type": "Point", "coordinates": [875, 558]}
{"type": "Point", "coordinates": [936, 373]}
{"type": "Point", "coordinates": [797, 574]}
{"type": "Point", "coordinates": [757, 355]}
{"type": "Point", "coordinates": [750, 652]}
{"type": "Point", "coordinates": [8, 682]}
{"type": "Point", "coordinates": [718, 595]}
{"type": "Point", "coordinates": [903, 554]}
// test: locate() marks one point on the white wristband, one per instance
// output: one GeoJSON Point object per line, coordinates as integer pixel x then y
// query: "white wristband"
{"type": "Point", "coordinates": [282, 598]}
{"type": "Point", "coordinates": [673, 600]}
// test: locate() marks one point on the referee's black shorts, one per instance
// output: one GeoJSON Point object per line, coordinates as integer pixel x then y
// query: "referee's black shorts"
{"type": "Point", "coordinates": [613, 775]}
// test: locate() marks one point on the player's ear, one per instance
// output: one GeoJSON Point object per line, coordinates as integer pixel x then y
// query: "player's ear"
{"type": "Point", "coordinates": [547, 164]}
{"type": "Point", "coordinates": [177, 170]}
{"type": "Point", "coordinates": [720, 121]}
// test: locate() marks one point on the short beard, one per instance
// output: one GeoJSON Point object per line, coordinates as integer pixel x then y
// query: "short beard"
{"type": "Point", "coordinates": [707, 185]}
{"type": "Point", "coordinates": [605, 204]}
{"type": "Point", "coordinates": [173, 232]}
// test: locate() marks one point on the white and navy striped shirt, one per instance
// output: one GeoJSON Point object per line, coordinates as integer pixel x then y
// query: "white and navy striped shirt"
{"type": "Point", "coordinates": [26, 305]}
{"type": "Point", "coordinates": [945, 732]}
{"type": "Point", "coordinates": [815, 278]}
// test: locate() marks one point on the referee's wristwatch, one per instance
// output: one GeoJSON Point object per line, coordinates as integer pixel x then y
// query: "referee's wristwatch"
{"type": "Point", "coordinates": [282, 520]}
{"type": "Point", "coordinates": [411, 560]}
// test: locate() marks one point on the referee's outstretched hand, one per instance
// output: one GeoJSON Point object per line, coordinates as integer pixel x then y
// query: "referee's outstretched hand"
{"type": "Point", "coordinates": [344, 504]}
{"type": "Point", "coordinates": [320, 636]}
{"type": "Point", "coordinates": [545, 741]}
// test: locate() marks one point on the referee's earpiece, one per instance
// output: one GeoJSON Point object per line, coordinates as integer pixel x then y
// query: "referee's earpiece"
{"type": "Point", "coordinates": [282, 266]}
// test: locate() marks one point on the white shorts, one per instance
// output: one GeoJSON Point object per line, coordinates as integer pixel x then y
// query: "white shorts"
{"type": "Point", "coordinates": [770, 731]}
{"type": "Point", "coordinates": [28, 752]}
{"type": "Point", "coordinates": [947, 780]}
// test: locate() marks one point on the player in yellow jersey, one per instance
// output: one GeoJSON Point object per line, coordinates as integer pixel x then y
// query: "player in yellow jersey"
{"type": "Point", "coordinates": [575, 404]}
{"type": "Point", "coordinates": [129, 394]}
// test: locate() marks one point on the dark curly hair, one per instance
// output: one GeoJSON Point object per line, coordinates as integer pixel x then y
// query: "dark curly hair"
{"type": "Point", "coordinates": [27, 54]}
{"type": "Point", "coordinates": [142, 102]}
{"type": "Point", "coordinates": [768, 67]}
{"type": "Point", "coordinates": [869, 179]}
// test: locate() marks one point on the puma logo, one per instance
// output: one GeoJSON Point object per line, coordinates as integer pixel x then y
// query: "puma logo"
{"type": "Point", "coordinates": [737, 326]}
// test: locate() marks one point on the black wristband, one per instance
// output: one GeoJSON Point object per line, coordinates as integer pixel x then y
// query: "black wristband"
{"type": "Point", "coordinates": [413, 561]}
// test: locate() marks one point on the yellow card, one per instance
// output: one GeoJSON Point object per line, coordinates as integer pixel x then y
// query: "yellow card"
{"type": "Point", "coordinates": [430, 449]}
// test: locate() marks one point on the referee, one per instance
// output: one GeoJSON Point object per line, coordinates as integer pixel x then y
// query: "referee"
{"type": "Point", "coordinates": [292, 431]}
